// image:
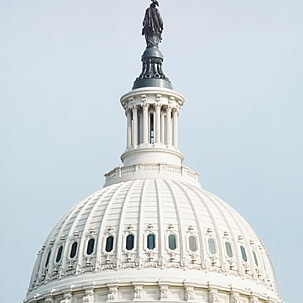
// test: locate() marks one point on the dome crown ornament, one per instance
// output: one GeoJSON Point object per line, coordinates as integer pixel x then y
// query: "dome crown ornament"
{"type": "Point", "coordinates": [152, 25]}
{"type": "Point", "coordinates": [152, 74]}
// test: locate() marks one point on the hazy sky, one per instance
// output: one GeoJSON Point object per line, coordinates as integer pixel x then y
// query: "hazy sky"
{"type": "Point", "coordinates": [63, 67]}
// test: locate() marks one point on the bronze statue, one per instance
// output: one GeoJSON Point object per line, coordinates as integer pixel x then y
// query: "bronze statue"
{"type": "Point", "coordinates": [152, 25]}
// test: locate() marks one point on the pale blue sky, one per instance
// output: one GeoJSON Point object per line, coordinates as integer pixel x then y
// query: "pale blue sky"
{"type": "Point", "coordinates": [63, 67]}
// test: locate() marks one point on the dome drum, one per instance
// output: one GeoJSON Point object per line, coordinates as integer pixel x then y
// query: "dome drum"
{"type": "Point", "coordinates": [152, 126]}
{"type": "Point", "coordinates": [178, 287]}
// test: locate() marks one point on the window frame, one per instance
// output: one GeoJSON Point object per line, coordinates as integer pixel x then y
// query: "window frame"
{"type": "Point", "coordinates": [60, 259]}
{"type": "Point", "coordinates": [214, 246]}
{"type": "Point", "coordinates": [71, 250]}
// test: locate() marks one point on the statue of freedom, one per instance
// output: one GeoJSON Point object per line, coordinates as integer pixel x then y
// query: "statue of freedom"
{"type": "Point", "coordinates": [152, 25]}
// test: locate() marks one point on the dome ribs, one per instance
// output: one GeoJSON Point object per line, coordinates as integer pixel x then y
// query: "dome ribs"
{"type": "Point", "coordinates": [230, 231]}
{"type": "Point", "coordinates": [241, 238]}
{"type": "Point", "coordinates": [201, 245]}
{"type": "Point", "coordinates": [161, 233]}
{"type": "Point", "coordinates": [99, 247]}
{"type": "Point", "coordinates": [74, 235]}
{"type": "Point", "coordinates": [89, 232]}
{"type": "Point", "coordinates": [180, 224]}
{"type": "Point", "coordinates": [121, 229]}
{"type": "Point", "coordinates": [140, 223]}
{"type": "Point", "coordinates": [209, 232]}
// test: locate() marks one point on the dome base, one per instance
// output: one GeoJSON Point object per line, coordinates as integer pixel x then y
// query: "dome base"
{"type": "Point", "coordinates": [147, 285]}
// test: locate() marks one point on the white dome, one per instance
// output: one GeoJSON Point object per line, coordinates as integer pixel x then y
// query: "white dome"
{"type": "Point", "coordinates": [152, 233]}
{"type": "Point", "coordinates": [211, 244]}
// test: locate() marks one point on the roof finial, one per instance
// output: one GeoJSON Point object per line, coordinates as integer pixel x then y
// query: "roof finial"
{"type": "Point", "coordinates": [152, 25]}
{"type": "Point", "coordinates": [152, 74]}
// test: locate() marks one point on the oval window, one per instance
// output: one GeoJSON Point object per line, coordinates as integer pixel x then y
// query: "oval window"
{"type": "Point", "coordinates": [229, 250]}
{"type": "Point", "coordinates": [243, 252]}
{"type": "Point", "coordinates": [192, 243]}
{"type": "Point", "coordinates": [109, 244]}
{"type": "Point", "coordinates": [172, 243]}
{"type": "Point", "coordinates": [255, 258]}
{"type": "Point", "coordinates": [90, 246]}
{"type": "Point", "coordinates": [151, 241]}
{"type": "Point", "coordinates": [130, 242]}
{"type": "Point", "coordinates": [47, 259]}
{"type": "Point", "coordinates": [212, 246]}
{"type": "Point", "coordinates": [59, 254]}
{"type": "Point", "coordinates": [73, 250]}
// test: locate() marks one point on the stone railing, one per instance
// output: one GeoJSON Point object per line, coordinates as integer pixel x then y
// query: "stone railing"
{"type": "Point", "coordinates": [150, 171]}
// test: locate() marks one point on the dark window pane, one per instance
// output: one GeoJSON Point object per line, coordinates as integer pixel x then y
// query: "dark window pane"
{"type": "Point", "coordinates": [130, 242]}
{"type": "Point", "coordinates": [90, 246]}
{"type": "Point", "coordinates": [255, 257]}
{"type": "Point", "coordinates": [73, 250]}
{"type": "Point", "coordinates": [151, 241]}
{"type": "Point", "coordinates": [109, 244]}
{"type": "Point", "coordinates": [172, 243]}
{"type": "Point", "coordinates": [59, 254]}
{"type": "Point", "coordinates": [192, 243]}
{"type": "Point", "coordinates": [228, 249]}
{"type": "Point", "coordinates": [47, 259]}
{"type": "Point", "coordinates": [243, 252]}
{"type": "Point", "coordinates": [212, 246]}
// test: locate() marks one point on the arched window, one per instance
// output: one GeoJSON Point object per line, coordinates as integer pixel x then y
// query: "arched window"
{"type": "Point", "coordinates": [109, 244]}
{"type": "Point", "coordinates": [151, 241]}
{"type": "Point", "coordinates": [229, 250]}
{"type": "Point", "coordinates": [192, 243]}
{"type": "Point", "coordinates": [73, 250]}
{"type": "Point", "coordinates": [212, 246]}
{"type": "Point", "coordinates": [172, 243]}
{"type": "Point", "coordinates": [130, 242]}
{"type": "Point", "coordinates": [90, 246]}
{"type": "Point", "coordinates": [47, 259]}
{"type": "Point", "coordinates": [59, 254]}
{"type": "Point", "coordinates": [243, 252]}
{"type": "Point", "coordinates": [255, 258]}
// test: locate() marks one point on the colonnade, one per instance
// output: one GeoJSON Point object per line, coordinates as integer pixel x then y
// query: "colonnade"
{"type": "Point", "coordinates": [152, 124]}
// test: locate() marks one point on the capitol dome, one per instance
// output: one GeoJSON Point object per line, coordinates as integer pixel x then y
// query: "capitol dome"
{"type": "Point", "coordinates": [152, 233]}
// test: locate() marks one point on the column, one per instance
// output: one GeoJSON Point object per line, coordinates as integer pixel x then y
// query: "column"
{"type": "Point", "coordinates": [129, 129]}
{"type": "Point", "coordinates": [145, 123]}
{"type": "Point", "coordinates": [158, 124]}
{"type": "Point", "coordinates": [175, 127]}
{"type": "Point", "coordinates": [162, 127]}
{"type": "Point", "coordinates": [168, 126]}
{"type": "Point", "coordinates": [135, 126]}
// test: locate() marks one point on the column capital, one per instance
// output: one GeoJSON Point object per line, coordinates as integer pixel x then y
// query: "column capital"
{"type": "Point", "coordinates": [144, 98]}
{"type": "Point", "coordinates": [157, 105]}
{"type": "Point", "coordinates": [159, 97]}
{"type": "Point", "coordinates": [134, 107]}
{"type": "Point", "coordinates": [176, 110]}
{"type": "Point", "coordinates": [145, 105]}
